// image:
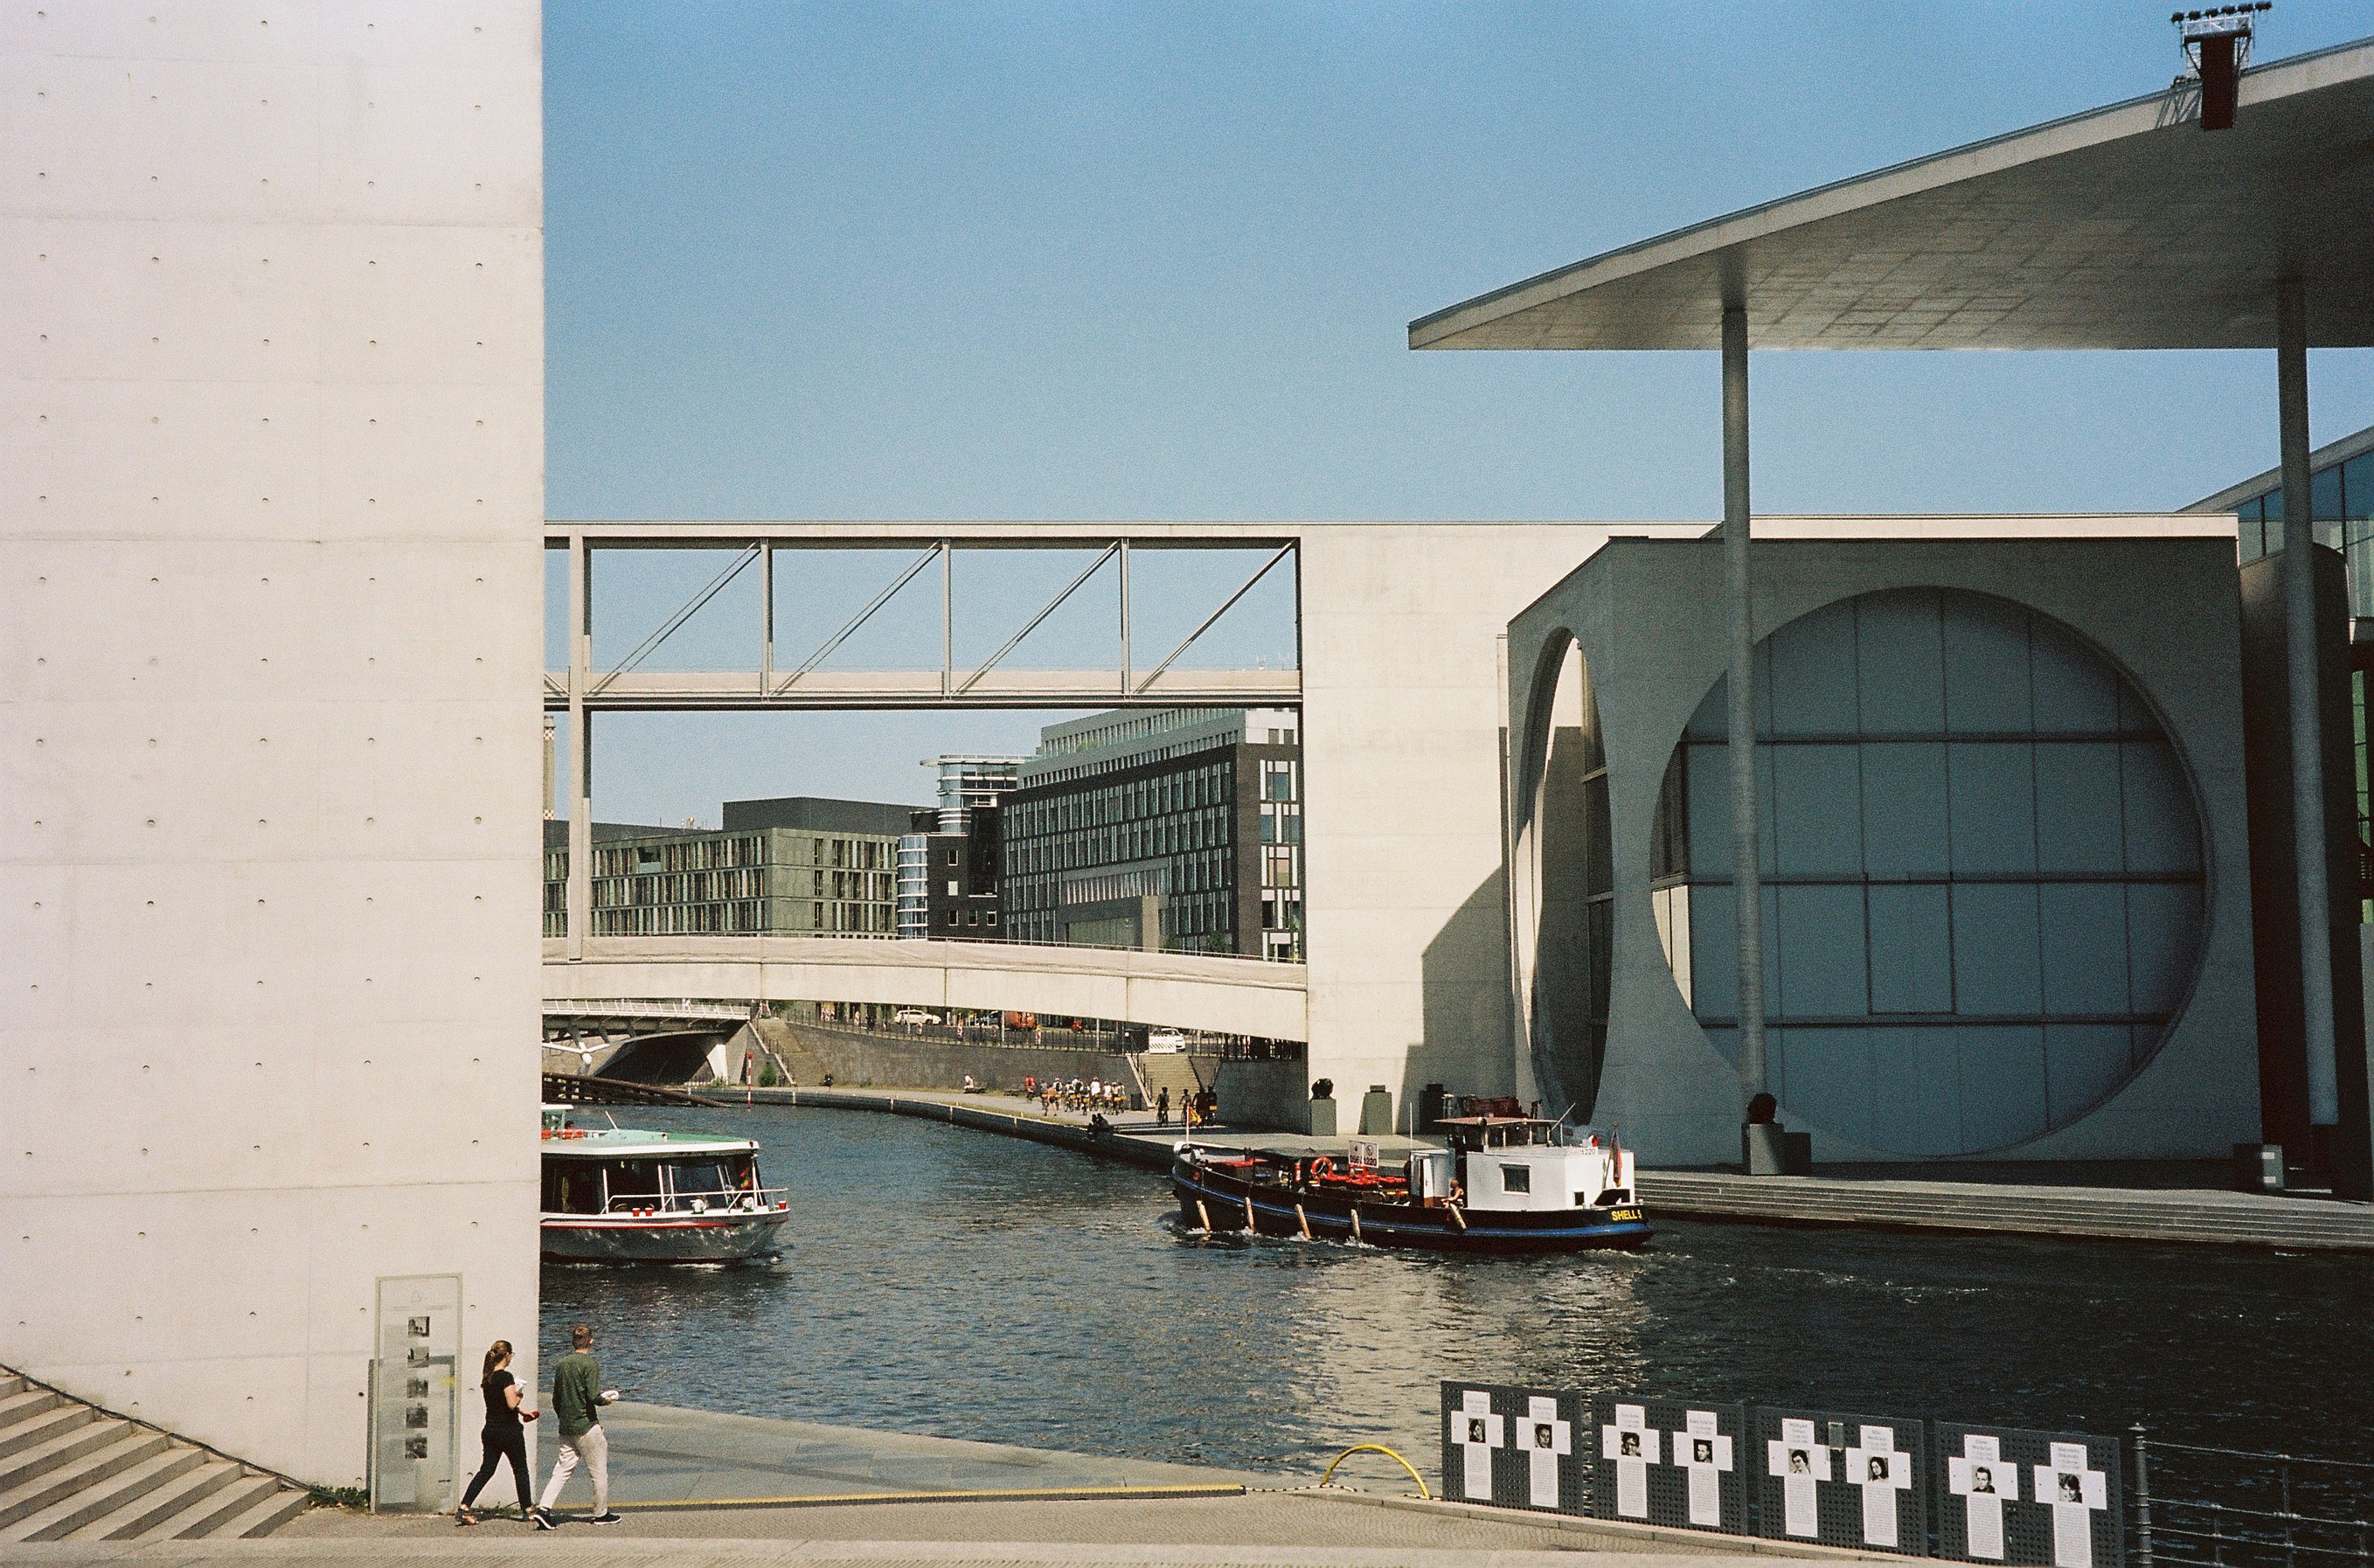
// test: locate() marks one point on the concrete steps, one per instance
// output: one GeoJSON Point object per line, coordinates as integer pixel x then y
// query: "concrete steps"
{"type": "Point", "coordinates": [805, 1066]}
{"type": "Point", "coordinates": [2135, 1214]}
{"type": "Point", "coordinates": [70, 1471]}
{"type": "Point", "coordinates": [1176, 1074]}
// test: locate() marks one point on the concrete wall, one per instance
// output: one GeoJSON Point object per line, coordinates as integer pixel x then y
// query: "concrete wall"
{"type": "Point", "coordinates": [856, 1058]}
{"type": "Point", "coordinates": [271, 448]}
{"type": "Point", "coordinates": [1407, 927]}
{"type": "Point", "coordinates": [2157, 595]}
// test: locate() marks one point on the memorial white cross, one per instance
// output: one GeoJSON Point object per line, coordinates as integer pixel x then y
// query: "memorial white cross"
{"type": "Point", "coordinates": [2076, 1494]}
{"type": "Point", "coordinates": [1877, 1466]}
{"type": "Point", "coordinates": [1633, 1447]}
{"type": "Point", "coordinates": [1984, 1483]}
{"type": "Point", "coordinates": [1477, 1431]}
{"type": "Point", "coordinates": [1544, 1438]}
{"type": "Point", "coordinates": [1705, 1454]}
{"type": "Point", "coordinates": [1799, 1461]}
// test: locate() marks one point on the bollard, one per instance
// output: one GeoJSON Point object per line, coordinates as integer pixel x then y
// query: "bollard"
{"type": "Point", "coordinates": [2143, 1498]}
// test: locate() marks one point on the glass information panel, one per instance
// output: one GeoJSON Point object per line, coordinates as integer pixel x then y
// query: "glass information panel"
{"type": "Point", "coordinates": [417, 1342]}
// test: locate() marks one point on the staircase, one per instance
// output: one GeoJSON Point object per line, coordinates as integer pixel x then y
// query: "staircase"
{"type": "Point", "coordinates": [1177, 1073]}
{"type": "Point", "coordinates": [806, 1069]}
{"type": "Point", "coordinates": [70, 1471]}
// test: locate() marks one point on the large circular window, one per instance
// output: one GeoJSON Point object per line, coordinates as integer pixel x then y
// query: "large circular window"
{"type": "Point", "coordinates": [1981, 862]}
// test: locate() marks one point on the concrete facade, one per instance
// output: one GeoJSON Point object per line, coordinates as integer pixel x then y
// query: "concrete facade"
{"type": "Point", "coordinates": [1406, 935]}
{"type": "Point", "coordinates": [2156, 596]}
{"type": "Point", "coordinates": [271, 492]}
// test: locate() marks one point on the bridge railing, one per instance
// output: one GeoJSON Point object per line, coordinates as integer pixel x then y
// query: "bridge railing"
{"type": "Point", "coordinates": [553, 933]}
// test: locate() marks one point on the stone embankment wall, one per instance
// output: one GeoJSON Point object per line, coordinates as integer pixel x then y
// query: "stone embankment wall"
{"type": "Point", "coordinates": [1252, 1094]}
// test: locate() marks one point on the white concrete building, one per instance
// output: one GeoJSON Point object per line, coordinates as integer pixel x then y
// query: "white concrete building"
{"type": "Point", "coordinates": [2004, 850]}
{"type": "Point", "coordinates": [271, 486]}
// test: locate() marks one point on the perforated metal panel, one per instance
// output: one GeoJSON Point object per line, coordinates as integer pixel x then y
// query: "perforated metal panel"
{"type": "Point", "coordinates": [1518, 1447]}
{"type": "Point", "coordinates": [1841, 1480]}
{"type": "Point", "coordinates": [2014, 1496]}
{"type": "Point", "coordinates": [1670, 1462]}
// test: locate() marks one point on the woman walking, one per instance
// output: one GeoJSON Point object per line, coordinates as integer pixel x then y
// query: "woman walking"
{"type": "Point", "coordinates": [503, 1438]}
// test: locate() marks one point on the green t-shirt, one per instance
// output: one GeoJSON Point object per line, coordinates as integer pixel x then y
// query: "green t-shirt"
{"type": "Point", "coordinates": [576, 1391]}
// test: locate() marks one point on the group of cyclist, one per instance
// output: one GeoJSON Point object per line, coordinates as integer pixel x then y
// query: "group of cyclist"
{"type": "Point", "coordinates": [1094, 1096]}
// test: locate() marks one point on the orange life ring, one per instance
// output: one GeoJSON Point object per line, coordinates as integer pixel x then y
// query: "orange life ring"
{"type": "Point", "coordinates": [1321, 1169]}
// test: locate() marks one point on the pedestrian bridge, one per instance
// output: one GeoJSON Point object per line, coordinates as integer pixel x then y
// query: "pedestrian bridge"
{"type": "Point", "coordinates": [1226, 995]}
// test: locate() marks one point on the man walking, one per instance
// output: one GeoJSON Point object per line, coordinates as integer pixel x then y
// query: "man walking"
{"type": "Point", "coordinates": [577, 1393]}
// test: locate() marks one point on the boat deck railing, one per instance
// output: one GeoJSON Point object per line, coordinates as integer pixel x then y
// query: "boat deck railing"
{"type": "Point", "coordinates": [743, 1201]}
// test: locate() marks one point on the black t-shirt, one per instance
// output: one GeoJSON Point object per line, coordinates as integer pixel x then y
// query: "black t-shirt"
{"type": "Point", "coordinates": [501, 1417]}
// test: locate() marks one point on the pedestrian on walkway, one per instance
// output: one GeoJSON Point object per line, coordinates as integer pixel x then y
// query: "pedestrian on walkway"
{"type": "Point", "coordinates": [1162, 1107]}
{"type": "Point", "coordinates": [502, 1437]}
{"type": "Point", "coordinates": [577, 1394]}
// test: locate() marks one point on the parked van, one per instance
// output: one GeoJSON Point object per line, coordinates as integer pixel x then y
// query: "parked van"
{"type": "Point", "coordinates": [1165, 1042]}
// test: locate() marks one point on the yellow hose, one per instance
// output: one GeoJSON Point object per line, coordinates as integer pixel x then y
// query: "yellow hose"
{"type": "Point", "coordinates": [1377, 1448]}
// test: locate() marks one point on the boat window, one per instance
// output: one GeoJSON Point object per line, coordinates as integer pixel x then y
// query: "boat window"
{"type": "Point", "coordinates": [1516, 1178]}
{"type": "Point", "coordinates": [571, 1187]}
{"type": "Point", "coordinates": [632, 1178]}
{"type": "Point", "coordinates": [698, 1178]}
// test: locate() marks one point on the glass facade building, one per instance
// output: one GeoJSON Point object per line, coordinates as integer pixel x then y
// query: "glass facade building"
{"type": "Point", "coordinates": [1983, 872]}
{"type": "Point", "coordinates": [1179, 829]}
{"type": "Point", "coordinates": [2339, 504]}
{"type": "Point", "coordinates": [2341, 507]}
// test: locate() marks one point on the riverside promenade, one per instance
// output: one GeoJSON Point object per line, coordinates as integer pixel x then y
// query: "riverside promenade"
{"type": "Point", "coordinates": [696, 1487]}
{"type": "Point", "coordinates": [2072, 1211]}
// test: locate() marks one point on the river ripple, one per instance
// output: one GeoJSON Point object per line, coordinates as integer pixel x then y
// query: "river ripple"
{"type": "Point", "coordinates": [950, 1282]}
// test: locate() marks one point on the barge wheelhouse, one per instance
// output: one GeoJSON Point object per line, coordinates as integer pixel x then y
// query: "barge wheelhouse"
{"type": "Point", "coordinates": [1506, 1184]}
{"type": "Point", "coordinates": [622, 1195]}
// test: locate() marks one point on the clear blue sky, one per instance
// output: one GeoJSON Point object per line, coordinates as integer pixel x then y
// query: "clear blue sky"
{"type": "Point", "coordinates": [1151, 262]}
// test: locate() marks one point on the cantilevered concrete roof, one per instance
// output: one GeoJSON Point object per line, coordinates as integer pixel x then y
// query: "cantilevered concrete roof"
{"type": "Point", "coordinates": [2124, 227]}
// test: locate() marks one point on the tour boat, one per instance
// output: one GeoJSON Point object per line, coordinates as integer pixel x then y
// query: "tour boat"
{"type": "Point", "coordinates": [1506, 1184]}
{"type": "Point", "coordinates": [619, 1195]}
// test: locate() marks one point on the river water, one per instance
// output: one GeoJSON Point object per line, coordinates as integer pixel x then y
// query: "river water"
{"type": "Point", "coordinates": [951, 1281]}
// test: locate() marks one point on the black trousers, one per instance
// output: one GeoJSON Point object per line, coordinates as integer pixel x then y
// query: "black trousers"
{"type": "Point", "coordinates": [500, 1446]}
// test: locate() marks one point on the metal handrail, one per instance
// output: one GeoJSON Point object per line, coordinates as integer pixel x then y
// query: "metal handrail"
{"type": "Point", "coordinates": [682, 1202]}
{"type": "Point", "coordinates": [2236, 1511]}
{"type": "Point", "coordinates": [893, 936]}
{"type": "Point", "coordinates": [2161, 1444]}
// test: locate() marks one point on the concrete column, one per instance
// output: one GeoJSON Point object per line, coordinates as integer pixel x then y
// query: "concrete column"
{"type": "Point", "coordinates": [766, 618]}
{"type": "Point", "coordinates": [581, 755]}
{"type": "Point", "coordinates": [1120, 548]}
{"type": "Point", "coordinates": [1745, 879]}
{"type": "Point", "coordinates": [2307, 750]}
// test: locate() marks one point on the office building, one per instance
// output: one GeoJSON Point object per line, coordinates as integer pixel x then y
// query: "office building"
{"type": "Point", "coordinates": [1179, 829]}
{"type": "Point", "coordinates": [949, 859]}
{"type": "Point", "coordinates": [797, 866]}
